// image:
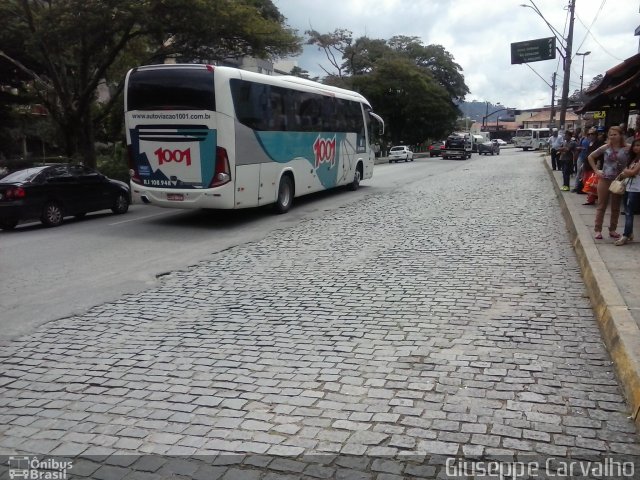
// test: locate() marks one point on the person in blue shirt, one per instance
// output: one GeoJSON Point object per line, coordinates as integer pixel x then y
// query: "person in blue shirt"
{"type": "Point", "coordinates": [567, 151]}
{"type": "Point", "coordinates": [583, 151]}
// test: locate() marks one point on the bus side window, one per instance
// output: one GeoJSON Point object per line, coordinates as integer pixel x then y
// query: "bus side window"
{"type": "Point", "coordinates": [310, 114]}
{"type": "Point", "coordinates": [329, 114]}
{"type": "Point", "coordinates": [277, 120]}
{"type": "Point", "coordinates": [341, 121]}
{"type": "Point", "coordinates": [250, 102]}
{"type": "Point", "coordinates": [291, 109]}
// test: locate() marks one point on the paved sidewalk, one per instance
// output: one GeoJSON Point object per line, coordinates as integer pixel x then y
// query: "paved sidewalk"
{"type": "Point", "coordinates": [612, 278]}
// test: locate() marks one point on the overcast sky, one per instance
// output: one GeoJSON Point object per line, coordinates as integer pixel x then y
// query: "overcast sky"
{"type": "Point", "coordinates": [478, 34]}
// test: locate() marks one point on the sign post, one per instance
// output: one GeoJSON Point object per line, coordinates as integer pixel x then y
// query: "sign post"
{"type": "Point", "coordinates": [533, 50]}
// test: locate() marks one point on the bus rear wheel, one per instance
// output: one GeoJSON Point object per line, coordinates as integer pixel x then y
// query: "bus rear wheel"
{"type": "Point", "coordinates": [357, 176]}
{"type": "Point", "coordinates": [285, 195]}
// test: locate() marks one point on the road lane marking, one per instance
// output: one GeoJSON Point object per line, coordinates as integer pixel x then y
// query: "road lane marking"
{"type": "Point", "coordinates": [146, 216]}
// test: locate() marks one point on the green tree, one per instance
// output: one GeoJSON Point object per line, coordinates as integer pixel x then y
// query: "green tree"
{"type": "Point", "coordinates": [415, 107]}
{"type": "Point", "coordinates": [334, 46]}
{"type": "Point", "coordinates": [436, 60]}
{"type": "Point", "coordinates": [362, 55]}
{"type": "Point", "coordinates": [300, 72]}
{"type": "Point", "coordinates": [414, 87]}
{"type": "Point", "coordinates": [67, 47]}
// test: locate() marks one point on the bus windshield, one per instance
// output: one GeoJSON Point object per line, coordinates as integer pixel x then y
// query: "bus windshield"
{"type": "Point", "coordinates": [523, 133]}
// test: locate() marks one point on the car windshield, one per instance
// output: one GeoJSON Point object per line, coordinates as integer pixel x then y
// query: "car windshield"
{"type": "Point", "coordinates": [396, 149]}
{"type": "Point", "coordinates": [22, 175]}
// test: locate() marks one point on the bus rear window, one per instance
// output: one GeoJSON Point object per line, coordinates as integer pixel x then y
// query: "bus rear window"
{"type": "Point", "coordinates": [171, 89]}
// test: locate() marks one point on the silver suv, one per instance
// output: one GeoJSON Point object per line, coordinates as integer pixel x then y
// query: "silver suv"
{"type": "Point", "coordinates": [401, 152]}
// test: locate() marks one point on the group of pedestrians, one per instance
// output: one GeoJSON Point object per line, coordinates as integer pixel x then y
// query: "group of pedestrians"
{"type": "Point", "coordinates": [619, 160]}
{"type": "Point", "coordinates": [592, 155]}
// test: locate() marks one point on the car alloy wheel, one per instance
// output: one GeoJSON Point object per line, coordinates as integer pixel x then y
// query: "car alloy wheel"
{"type": "Point", "coordinates": [52, 215]}
{"type": "Point", "coordinates": [121, 205]}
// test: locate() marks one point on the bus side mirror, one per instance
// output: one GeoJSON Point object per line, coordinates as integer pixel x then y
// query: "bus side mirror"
{"type": "Point", "coordinates": [380, 122]}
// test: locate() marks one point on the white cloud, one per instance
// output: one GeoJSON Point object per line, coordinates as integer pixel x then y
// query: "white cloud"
{"type": "Point", "coordinates": [478, 34]}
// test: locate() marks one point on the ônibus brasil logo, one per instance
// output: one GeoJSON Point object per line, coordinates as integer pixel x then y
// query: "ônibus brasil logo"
{"type": "Point", "coordinates": [324, 150]}
{"type": "Point", "coordinates": [177, 156]}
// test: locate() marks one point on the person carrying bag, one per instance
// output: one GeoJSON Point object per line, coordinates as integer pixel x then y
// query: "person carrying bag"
{"type": "Point", "coordinates": [615, 156]}
{"type": "Point", "coordinates": [632, 193]}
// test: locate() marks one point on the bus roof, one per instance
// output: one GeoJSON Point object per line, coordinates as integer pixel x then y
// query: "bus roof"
{"type": "Point", "coordinates": [278, 80]}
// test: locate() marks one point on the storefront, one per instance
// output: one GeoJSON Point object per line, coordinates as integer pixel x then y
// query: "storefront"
{"type": "Point", "coordinates": [617, 95]}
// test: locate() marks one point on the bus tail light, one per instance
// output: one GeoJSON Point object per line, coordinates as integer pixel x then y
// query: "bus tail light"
{"type": "Point", "coordinates": [222, 173]}
{"type": "Point", "coordinates": [133, 173]}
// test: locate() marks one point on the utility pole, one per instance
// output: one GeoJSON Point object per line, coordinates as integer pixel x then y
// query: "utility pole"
{"type": "Point", "coordinates": [552, 115]}
{"type": "Point", "coordinates": [486, 114]}
{"type": "Point", "coordinates": [567, 66]}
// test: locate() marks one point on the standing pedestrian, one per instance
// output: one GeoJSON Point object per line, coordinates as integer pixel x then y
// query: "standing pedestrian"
{"type": "Point", "coordinates": [566, 152]}
{"type": "Point", "coordinates": [555, 142]}
{"type": "Point", "coordinates": [583, 151]}
{"type": "Point", "coordinates": [632, 193]}
{"type": "Point", "coordinates": [615, 156]}
{"type": "Point", "coordinates": [595, 142]}
{"type": "Point", "coordinates": [576, 138]}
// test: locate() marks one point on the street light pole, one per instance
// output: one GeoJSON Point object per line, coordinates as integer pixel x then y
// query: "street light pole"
{"type": "Point", "coordinates": [582, 75]}
{"type": "Point", "coordinates": [582, 79]}
{"type": "Point", "coordinates": [552, 114]}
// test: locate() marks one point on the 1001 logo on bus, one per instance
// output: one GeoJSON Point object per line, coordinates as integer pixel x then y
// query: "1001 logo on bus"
{"type": "Point", "coordinates": [324, 150]}
{"type": "Point", "coordinates": [178, 156]}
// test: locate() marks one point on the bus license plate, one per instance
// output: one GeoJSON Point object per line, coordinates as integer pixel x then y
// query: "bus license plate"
{"type": "Point", "coordinates": [176, 197]}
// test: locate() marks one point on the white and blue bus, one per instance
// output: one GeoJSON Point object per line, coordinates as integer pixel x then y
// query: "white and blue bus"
{"type": "Point", "coordinates": [202, 136]}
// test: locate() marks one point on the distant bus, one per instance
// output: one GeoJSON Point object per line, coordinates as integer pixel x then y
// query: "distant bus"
{"type": "Point", "coordinates": [531, 138]}
{"type": "Point", "coordinates": [201, 136]}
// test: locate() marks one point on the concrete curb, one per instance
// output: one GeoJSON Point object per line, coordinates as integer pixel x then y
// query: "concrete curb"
{"type": "Point", "coordinates": [619, 330]}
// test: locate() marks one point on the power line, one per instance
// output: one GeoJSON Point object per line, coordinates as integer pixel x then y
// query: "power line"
{"type": "Point", "coordinates": [542, 78]}
{"type": "Point", "coordinates": [596, 40]}
{"type": "Point", "coordinates": [591, 26]}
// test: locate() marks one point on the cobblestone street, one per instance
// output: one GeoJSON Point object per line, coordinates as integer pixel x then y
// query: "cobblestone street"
{"type": "Point", "coordinates": [447, 318]}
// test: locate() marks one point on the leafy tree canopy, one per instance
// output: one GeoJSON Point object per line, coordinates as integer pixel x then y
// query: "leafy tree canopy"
{"type": "Point", "coordinates": [413, 86]}
{"type": "Point", "coordinates": [415, 107]}
{"type": "Point", "coordinates": [65, 48]}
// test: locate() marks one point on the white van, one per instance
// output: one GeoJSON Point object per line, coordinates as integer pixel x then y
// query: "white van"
{"type": "Point", "coordinates": [531, 138]}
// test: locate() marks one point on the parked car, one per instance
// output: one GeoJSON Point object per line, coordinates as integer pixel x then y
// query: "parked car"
{"type": "Point", "coordinates": [435, 149]}
{"type": "Point", "coordinates": [486, 148]}
{"type": "Point", "coordinates": [501, 142]}
{"type": "Point", "coordinates": [401, 152]}
{"type": "Point", "coordinates": [50, 193]}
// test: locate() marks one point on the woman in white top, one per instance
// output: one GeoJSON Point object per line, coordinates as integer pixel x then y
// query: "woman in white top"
{"type": "Point", "coordinates": [632, 193]}
{"type": "Point", "coordinates": [615, 155]}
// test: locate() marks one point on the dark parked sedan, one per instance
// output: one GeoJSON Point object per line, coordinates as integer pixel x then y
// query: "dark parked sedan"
{"type": "Point", "coordinates": [50, 193]}
{"type": "Point", "coordinates": [486, 148]}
